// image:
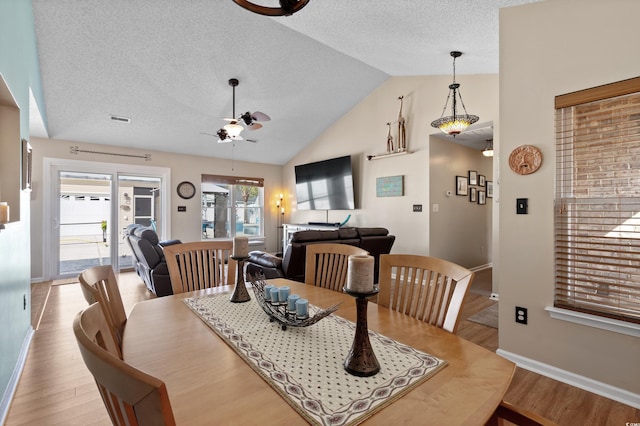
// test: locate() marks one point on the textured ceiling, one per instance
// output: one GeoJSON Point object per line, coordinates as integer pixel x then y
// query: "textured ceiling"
{"type": "Point", "coordinates": [166, 64]}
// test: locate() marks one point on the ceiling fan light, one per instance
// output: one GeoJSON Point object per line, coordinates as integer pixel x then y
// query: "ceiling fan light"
{"type": "Point", "coordinates": [233, 130]}
{"type": "Point", "coordinates": [487, 152]}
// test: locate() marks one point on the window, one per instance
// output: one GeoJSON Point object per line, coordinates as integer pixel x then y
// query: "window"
{"type": "Point", "coordinates": [597, 201]}
{"type": "Point", "coordinates": [232, 206]}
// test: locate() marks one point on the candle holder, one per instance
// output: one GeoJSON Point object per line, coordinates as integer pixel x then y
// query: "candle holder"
{"type": "Point", "coordinates": [361, 360]}
{"type": "Point", "coordinates": [240, 293]}
{"type": "Point", "coordinates": [279, 312]}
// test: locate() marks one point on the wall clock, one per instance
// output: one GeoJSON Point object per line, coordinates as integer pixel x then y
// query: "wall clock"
{"type": "Point", "coordinates": [525, 159]}
{"type": "Point", "coordinates": [186, 190]}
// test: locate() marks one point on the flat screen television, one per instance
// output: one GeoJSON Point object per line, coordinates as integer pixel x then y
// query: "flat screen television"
{"type": "Point", "coordinates": [325, 185]}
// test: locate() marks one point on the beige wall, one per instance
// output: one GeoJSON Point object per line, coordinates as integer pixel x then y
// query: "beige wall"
{"type": "Point", "coordinates": [363, 131]}
{"type": "Point", "coordinates": [184, 225]}
{"type": "Point", "coordinates": [547, 49]}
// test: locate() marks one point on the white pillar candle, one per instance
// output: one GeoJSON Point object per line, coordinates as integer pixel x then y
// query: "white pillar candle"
{"type": "Point", "coordinates": [302, 308]}
{"type": "Point", "coordinates": [4, 212]}
{"type": "Point", "coordinates": [240, 247]}
{"type": "Point", "coordinates": [360, 274]}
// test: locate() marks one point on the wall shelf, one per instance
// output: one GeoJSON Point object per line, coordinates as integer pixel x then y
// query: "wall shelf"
{"type": "Point", "coordinates": [386, 155]}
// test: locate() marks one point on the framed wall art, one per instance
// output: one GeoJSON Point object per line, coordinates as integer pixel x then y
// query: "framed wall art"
{"type": "Point", "coordinates": [462, 185]}
{"type": "Point", "coordinates": [473, 195]}
{"type": "Point", "coordinates": [482, 180]}
{"type": "Point", "coordinates": [482, 197]}
{"type": "Point", "coordinates": [390, 186]}
{"type": "Point", "coordinates": [489, 189]}
{"type": "Point", "coordinates": [473, 177]}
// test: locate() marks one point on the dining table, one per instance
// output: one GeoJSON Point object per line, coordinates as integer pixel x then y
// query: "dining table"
{"type": "Point", "coordinates": [208, 382]}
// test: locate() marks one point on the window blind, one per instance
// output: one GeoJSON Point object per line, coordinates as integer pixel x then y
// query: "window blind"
{"type": "Point", "coordinates": [597, 201]}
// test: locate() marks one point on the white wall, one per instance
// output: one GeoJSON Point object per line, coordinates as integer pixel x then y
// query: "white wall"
{"type": "Point", "coordinates": [363, 131]}
{"type": "Point", "coordinates": [548, 49]}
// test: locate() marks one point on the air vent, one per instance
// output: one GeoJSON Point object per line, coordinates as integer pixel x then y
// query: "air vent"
{"type": "Point", "coordinates": [121, 119]}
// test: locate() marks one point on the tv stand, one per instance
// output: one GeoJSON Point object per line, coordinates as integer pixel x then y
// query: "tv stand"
{"type": "Point", "coordinates": [289, 228]}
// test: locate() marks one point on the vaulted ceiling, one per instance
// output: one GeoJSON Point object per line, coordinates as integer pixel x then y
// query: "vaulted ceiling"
{"type": "Point", "coordinates": [165, 64]}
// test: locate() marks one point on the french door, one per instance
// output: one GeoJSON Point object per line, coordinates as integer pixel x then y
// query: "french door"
{"type": "Point", "coordinates": [90, 207]}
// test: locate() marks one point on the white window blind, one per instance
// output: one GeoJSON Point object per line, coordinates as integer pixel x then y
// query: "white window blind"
{"type": "Point", "coordinates": [597, 201]}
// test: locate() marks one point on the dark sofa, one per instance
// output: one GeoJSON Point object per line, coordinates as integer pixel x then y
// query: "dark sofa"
{"type": "Point", "coordinates": [376, 241]}
{"type": "Point", "coordinates": [149, 259]}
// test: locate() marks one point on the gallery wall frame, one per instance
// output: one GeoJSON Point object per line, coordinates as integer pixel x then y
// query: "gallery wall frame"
{"type": "Point", "coordinates": [489, 189]}
{"type": "Point", "coordinates": [473, 195]}
{"type": "Point", "coordinates": [482, 199]}
{"type": "Point", "coordinates": [462, 185]}
{"type": "Point", "coordinates": [482, 180]}
{"type": "Point", "coordinates": [473, 177]}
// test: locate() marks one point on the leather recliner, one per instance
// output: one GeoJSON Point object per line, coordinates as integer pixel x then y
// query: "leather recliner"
{"type": "Point", "coordinates": [149, 259]}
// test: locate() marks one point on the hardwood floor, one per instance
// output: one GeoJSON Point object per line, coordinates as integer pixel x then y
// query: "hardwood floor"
{"type": "Point", "coordinates": [57, 389]}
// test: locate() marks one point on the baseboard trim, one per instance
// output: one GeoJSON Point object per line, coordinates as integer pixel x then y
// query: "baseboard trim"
{"type": "Point", "coordinates": [15, 376]}
{"type": "Point", "coordinates": [617, 394]}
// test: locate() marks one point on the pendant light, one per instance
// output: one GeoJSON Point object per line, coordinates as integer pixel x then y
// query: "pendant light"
{"type": "Point", "coordinates": [455, 123]}
{"type": "Point", "coordinates": [487, 151]}
{"type": "Point", "coordinates": [287, 7]}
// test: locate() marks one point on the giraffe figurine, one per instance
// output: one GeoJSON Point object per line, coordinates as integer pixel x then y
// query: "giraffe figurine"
{"type": "Point", "coordinates": [389, 139]}
{"type": "Point", "coordinates": [402, 132]}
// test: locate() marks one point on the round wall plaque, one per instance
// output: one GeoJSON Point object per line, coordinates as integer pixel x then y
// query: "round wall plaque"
{"type": "Point", "coordinates": [525, 159]}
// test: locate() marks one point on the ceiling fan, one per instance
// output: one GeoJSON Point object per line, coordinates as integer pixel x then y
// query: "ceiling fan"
{"type": "Point", "coordinates": [231, 132]}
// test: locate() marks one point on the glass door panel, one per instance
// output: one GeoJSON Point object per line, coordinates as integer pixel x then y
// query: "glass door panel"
{"type": "Point", "coordinates": [84, 221]}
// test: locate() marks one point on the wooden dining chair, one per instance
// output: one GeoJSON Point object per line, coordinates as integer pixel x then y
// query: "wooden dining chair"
{"type": "Point", "coordinates": [130, 396]}
{"type": "Point", "coordinates": [200, 265]}
{"type": "Point", "coordinates": [426, 288]}
{"type": "Point", "coordinates": [326, 264]}
{"type": "Point", "coordinates": [517, 416]}
{"type": "Point", "coordinates": [99, 284]}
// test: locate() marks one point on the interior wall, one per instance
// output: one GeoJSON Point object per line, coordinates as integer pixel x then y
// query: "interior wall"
{"type": "Point", "coordinates": [19, 68]}
{"type": "Point", "coordinates": [547, 49]}
{"type": "Point", "coordinates": [363, 131]}
{"type": "Point", "coordinates": [460, 230]}
{"type": "Point", "coordinates": [185, 226]}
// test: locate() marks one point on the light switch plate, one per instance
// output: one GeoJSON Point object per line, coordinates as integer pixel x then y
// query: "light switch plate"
{"type": "Point", "coordinates": [417, 207]}
{"type": "Point", "coordinates": [522, 205]}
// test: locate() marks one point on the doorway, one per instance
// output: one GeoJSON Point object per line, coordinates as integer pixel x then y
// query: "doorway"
{"type": "Point", "coordinates": [90, 207]}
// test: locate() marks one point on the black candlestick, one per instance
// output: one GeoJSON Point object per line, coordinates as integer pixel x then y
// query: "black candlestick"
{"type": "Point", "coordinates": [361, 360]}
{"type": "Point", "coordinates": [240, 293]}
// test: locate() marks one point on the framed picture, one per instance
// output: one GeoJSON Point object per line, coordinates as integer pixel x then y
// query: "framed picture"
{"type": "Point", "coordinates": [489, 189]}
{"type": "Point", "coordinates": [482, 180]}
{"type": "Point", "coordinates": [462, 185]}
{"type": "Point", "coordinates": [390, 186]}
{"type": "Point", "coordinates": [473, 177]}
{"type": "Point", "coordinates": [27, 154]}
{"type": "Point", "coordinates": [482, 199]}
{"type": "Point", "coordinates": [473, 195]}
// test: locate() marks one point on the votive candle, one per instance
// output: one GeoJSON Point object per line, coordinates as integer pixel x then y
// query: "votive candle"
{"type": "Point", "coordinates": [283, 294]}
{"type": "Point", "coordinates": [291, 302]}
{"type": "Point", "coordinates": [241, 247]}
{"type": "Point", "coordinates": [302, 308]}
{"type": "Point", "coordinates": [267, 292]}
{"type": "Point", "coordinates": [274, 295]}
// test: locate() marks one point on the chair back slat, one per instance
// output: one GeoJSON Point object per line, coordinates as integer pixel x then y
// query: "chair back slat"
{"type": "Point", "coordinates": [99, 284]}
{"type": "Point", "coordinates": [326, 264]}
{"type": "Point", "coordinates": [427, 288]}
{"type": "Point", "coordinates": [200, 265]}
{"type": "Point", "coordinates": [130, 396]}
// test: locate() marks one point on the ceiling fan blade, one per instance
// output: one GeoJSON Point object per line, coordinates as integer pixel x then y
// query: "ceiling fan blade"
{"type": "Point", "coordinates": [252, 140]}
{"type": "Point", "coordinates": [254, 126]}
{"type": "Point", "coordinates": [208, 134]}
{"type": "Point", "coordinates": [260, 116]}
{"type": "Point", "coordinates": [225, 140]}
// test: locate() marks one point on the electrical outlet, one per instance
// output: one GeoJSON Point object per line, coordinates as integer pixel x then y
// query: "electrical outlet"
{"type": "Point", "coordinates": [521, 315]}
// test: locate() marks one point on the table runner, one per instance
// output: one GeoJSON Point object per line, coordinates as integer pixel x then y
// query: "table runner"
{"type": "Point", "coordinates": [305, 364]}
